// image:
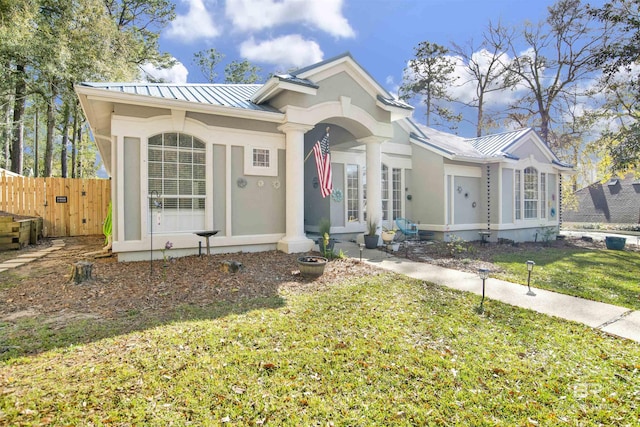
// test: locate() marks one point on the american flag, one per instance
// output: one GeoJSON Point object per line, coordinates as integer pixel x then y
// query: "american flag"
{"type": "Point", "coordinates": [323, 165]}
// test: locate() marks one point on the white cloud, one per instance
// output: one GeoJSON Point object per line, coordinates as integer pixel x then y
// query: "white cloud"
{"type": "Point", "coordinates": [254, 15]}
{"type": "Point", "coordinates": [195, 25]}
{"type": "Point", "coordinates": [176, 74]}
{"type": "Point", "coordinates": [286, 51]}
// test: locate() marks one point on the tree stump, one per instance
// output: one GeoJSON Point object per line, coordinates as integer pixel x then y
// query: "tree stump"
{"type": "Point", "coordinates": [82, 272]}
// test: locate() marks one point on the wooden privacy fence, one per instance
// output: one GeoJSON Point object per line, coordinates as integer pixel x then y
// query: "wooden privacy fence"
{"type": "Point", "coordinates": [68, 206]}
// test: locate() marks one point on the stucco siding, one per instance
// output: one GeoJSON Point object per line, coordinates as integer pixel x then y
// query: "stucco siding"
{"type": "Point", "coordinates": [132, 195]}
{"type": "Point", "coordinates": [258, 207]}
{"type": "Point", "coordinates": [427, 187]}
{"type": "Point", "coordinates": [219, 189]}
{"type": "Point", "coordinates": [507, 196]}
{"type": "Point", "coordinates": [234, 123]}
{"type": "Point", "coordinates": [332, 89]}
{"type": "Point", "coordinates": [337, 208]}
{"type": "Point", "coordinates": [529, 148]}
{"type": "Point", "coordinates": [468, 201]}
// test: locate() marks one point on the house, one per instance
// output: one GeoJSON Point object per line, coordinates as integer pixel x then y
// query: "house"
{"type": "Point", "coordinates": [235, 158]}
{"type": "Point", "coordinates": [614, 202]}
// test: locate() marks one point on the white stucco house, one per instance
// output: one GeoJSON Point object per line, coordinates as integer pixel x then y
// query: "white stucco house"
{"type": "Point", "coordinates": [185, 158]}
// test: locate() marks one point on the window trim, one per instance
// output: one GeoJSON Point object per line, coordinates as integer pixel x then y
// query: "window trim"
{"type": "Point", "coordinates": [251, 169]}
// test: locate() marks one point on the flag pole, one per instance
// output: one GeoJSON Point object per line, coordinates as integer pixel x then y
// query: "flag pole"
{"type": "Point", "coordinates": [311, 151]}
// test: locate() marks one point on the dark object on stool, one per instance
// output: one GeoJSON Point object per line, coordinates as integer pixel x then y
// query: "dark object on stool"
{"type": "Point", "coordinates": [206, 235]}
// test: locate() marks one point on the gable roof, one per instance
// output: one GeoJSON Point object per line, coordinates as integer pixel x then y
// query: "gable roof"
{"type": "Point", "coordinates": [301, 80]}
{"type": "Point", "coordinates": [482, 148]}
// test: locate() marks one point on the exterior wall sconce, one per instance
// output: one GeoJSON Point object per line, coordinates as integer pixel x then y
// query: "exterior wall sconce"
{"type": "Point", "coordinates": [530, 265]}
{"type": "Point", "coordinates": [484, 275]}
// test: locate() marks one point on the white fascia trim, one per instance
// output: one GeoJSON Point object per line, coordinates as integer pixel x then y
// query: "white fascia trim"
{"type": "Point", "coordinates": [397, 113]}
{"type": "Point", "coordinates": [466, 171]}
{"type": "Point", "coordinates": [274, 86]}
{"type": "Point", "coordinates": [145, 127]}
{"type": "Point", "coordinates": [103, 95]}
{"type": "Point", "coordinates": [433, 148]}
{"type": "Point", "coordinates": [396, 148]}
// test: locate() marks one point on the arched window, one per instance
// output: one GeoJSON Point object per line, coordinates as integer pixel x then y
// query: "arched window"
{"type": "Point", "coordinates": [177, 177]}
{"type": "Point", "coordinates": [530, 193]}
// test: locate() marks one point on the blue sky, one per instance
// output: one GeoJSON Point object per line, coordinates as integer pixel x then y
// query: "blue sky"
{"type": "Point", "coordinates": [278, 35]}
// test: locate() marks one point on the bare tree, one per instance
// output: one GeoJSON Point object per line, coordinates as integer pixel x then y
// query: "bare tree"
{"type": "Point", "coordinates": [558, 57]}
{"type": "Point", "coordinates": [484, 65]}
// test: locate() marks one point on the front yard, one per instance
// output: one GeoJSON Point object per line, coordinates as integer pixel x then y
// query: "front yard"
{"type": "Point", "coordinates": [575, 267]}
{"type": "Point", "coordinates": [191, 345]}
{"type": "Point", "coordinates": [379, 350]}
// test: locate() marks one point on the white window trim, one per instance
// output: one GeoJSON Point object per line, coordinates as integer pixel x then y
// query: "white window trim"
{"type": "Point", "coordinates": [250, 169]}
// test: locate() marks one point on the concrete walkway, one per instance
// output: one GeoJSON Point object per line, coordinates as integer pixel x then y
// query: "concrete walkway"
{"type": "Point", "coordinates": [618, 321]}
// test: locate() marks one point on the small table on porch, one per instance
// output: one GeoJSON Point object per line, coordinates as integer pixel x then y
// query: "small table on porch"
{"type": "Point", "coordinates": [206, 235]}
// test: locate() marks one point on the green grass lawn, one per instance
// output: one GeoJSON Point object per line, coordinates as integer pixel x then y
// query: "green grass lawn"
{"type": "Point", "coordinates": [383, 350]}
{"type": "Point", "coordinates": [601, 275]}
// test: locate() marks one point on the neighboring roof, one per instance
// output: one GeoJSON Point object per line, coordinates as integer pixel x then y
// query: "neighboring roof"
{"type": "Point", "coordinates": [223, 95]}
{"type": "Point", "coordinates": [614, 202]}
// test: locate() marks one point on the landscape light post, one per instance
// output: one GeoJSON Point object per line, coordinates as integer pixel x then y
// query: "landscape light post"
{"type": "Point", "coordinates": [530, 265]}
{"type": "Point", "coordinates": [484, 275]}
{"type": "Point", "coordinates": [361, 246]}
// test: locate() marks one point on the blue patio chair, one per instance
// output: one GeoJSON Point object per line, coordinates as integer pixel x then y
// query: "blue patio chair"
{"type": "Point", "coordinates": [408, 229]}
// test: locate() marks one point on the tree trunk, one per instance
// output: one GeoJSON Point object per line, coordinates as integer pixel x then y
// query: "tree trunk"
{"type": "Point", "coordinates": [65, 141]}
{"type": "Point", "coordinates": [82, 272]}
{"type": "Point", "coordinates": [51, 117]}
{"type": "Point", "coordinates": [6, 131]}
{"type": "Point", "coordinates": [17, 144]}
{"type": "Point", "coordinates": [74, 143]}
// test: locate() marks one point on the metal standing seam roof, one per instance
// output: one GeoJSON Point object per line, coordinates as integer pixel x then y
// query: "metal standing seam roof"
{"type": "Point", "coordinates": [497, 145]}
{"type": "Point", "coordinates": [224, 95]}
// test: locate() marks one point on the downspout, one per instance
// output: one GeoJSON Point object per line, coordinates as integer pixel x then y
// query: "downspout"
{"type": "Point", "coordinates": [489, 198]}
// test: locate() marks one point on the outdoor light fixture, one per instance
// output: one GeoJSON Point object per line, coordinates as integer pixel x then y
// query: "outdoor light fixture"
{"type": "Point", "coordinates": [361, 246]}
{"type": "Point", "coordinates": [484, 275]}
{"type": "Point", "coordinates": [530, 265]}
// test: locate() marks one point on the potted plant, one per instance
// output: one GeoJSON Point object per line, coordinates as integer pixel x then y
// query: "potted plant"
{"type": "Point", "coordinates": [371, 238]}
{"type": "Point", "coordinates": [388, 235]}
{"type": "Point", "coordinates": [311, 265]}
{"type": "Point", "coordinates": [325, 242]}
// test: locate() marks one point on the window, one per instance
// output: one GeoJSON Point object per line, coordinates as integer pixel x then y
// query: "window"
{"type": "Point", "coordinates": [530, 193]}
{"type": "Point", "coordinates": [518, 195]}
{"type": "Point", "coordinates": [543, 195]}
{"type": "Point", "coordinates": [261, 161]}
{"type": "Point", "coordinates": [396, 195]}
{"type": "Point", "coordinates": [260, 158]}
{"type": "Point", "coordinates": [353, 202]}
{"type": "Point", "coordinates": [177, 181]}
{"type": "Point", "coordinates": [384, 178]}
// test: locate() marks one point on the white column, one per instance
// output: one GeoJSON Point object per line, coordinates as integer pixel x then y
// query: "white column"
{"type": "Point", "coordinates": [374, 186]}
{"type": "Point", "coordinates": [294, 240]}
